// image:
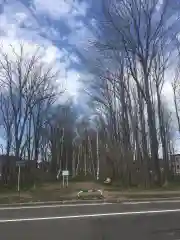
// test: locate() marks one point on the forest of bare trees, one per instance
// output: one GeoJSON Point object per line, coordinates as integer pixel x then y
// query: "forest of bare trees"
{"type": "Point", "coordinates": [130, 136]}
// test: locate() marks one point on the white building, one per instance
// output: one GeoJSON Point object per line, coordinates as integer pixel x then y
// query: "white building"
{"type": "Point", "coordinates": [175, 161]}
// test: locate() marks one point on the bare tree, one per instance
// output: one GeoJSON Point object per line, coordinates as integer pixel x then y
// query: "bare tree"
{"type": "Point", "coordinates": [27, 82]}
{"type": "Point", "coordinates": [6, 121]}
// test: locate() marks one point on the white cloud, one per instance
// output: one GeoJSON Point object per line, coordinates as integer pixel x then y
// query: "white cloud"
{"type": "Point", "coordinates": [72, 83]}
{"type": "Point", "coordinates": [159, 5]}
{"type": "Point", "coordinates": [167, 93]}
{"type": "Point", "coordinates": [61, 10]}
{"type": "Point", "coordinates": [82, 37]}
{"type": "Point", "coordinates": [57, 9]}
{"type": "Point", "coordinates": [54, 8]}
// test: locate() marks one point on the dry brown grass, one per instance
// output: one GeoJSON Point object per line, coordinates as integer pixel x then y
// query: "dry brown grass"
{"type": "Point", "coordinates": [56, 192]}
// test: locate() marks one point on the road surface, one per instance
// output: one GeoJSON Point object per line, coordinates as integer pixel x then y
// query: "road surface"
{"type": "Point", "coordinates": [141, 221]}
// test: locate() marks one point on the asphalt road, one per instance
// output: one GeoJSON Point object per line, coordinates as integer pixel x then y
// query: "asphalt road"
{"type": "Point", "coordinates": [141, 221]}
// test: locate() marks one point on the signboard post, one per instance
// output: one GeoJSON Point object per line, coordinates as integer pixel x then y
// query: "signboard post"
{"type": "Point", "coordinates": [65, 175]}
{"type": "Point", "coordinates": [19, 175]}
{"type": "Point", "coordinates": [58, 173]}
{"type": "Point", "coordinates": [19, 164]}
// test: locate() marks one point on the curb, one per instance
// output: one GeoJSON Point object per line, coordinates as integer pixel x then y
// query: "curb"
{"type": "Point", "coordinates": [141, 199]}
{"type": "Point", "coordinates": [64, 202]}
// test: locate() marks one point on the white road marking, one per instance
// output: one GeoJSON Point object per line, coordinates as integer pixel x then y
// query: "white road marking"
{"type": "Point", "coordinates": [134, 203]}
{"type": "Point", "coordinates": [92, 215]}
{"type": "Point", "coordinates": [148, 202]}
{"type": "Point", "coordinates": [54, 206]}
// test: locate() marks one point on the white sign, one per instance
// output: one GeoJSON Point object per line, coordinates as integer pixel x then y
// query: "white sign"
{"type": "Point", "coordinates": [65, 173]}
{"type": "Point", "coordinates": [21, 163]}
